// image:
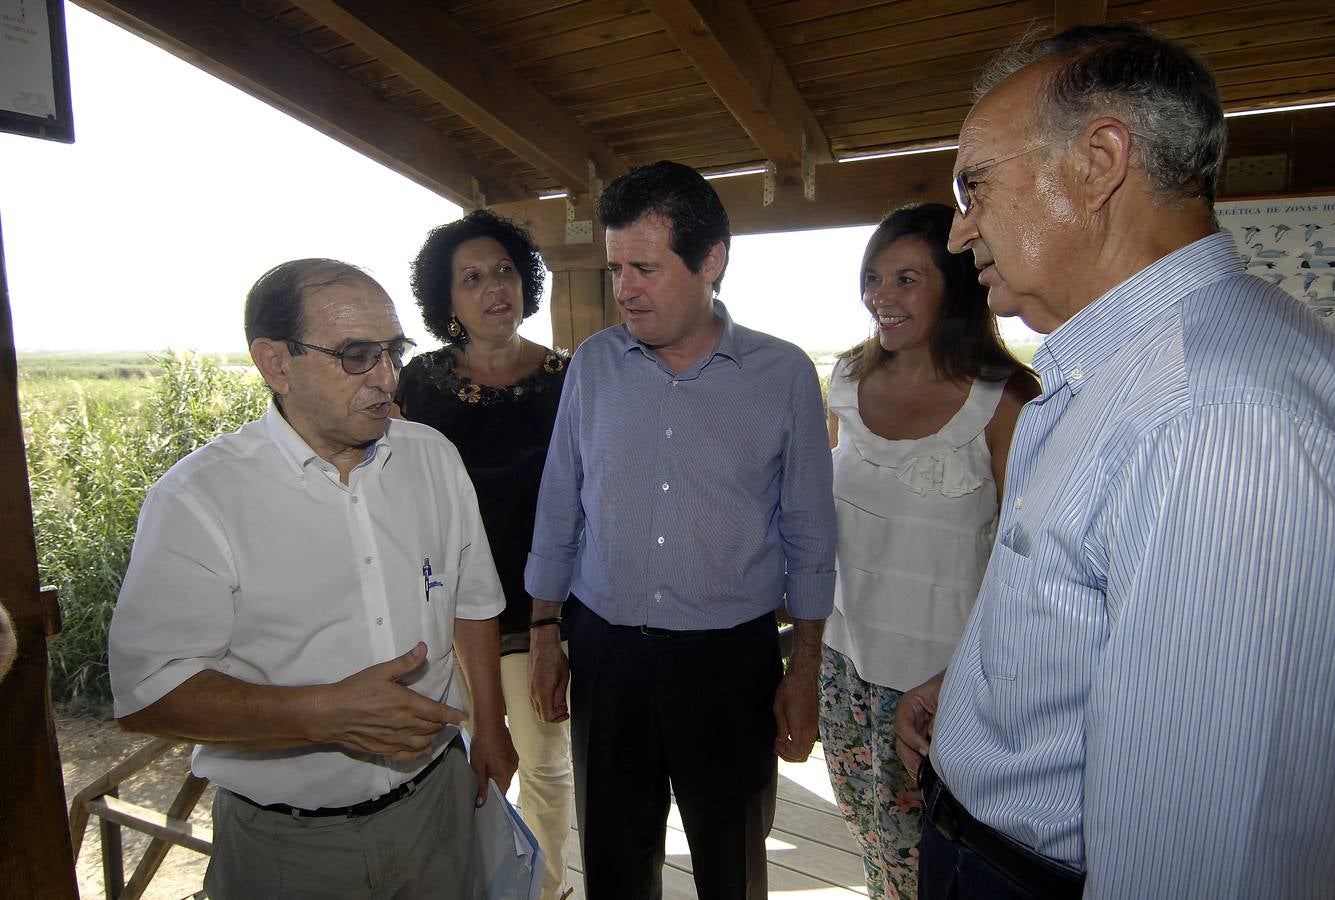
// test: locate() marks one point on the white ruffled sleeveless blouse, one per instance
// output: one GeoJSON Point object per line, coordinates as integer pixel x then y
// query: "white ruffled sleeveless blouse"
{"type": "Point", "coordinates": [916, 523]}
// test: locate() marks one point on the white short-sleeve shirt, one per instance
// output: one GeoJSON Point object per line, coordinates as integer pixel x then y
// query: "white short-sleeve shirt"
{"type": "Point", "coordinates": [253, 559]}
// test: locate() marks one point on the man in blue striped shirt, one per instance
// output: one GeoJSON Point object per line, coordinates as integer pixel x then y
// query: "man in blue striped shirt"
{"type": "Point", "coordinates": [1144, 699]}
{"type": "Point", "coordinates": [687, 492]}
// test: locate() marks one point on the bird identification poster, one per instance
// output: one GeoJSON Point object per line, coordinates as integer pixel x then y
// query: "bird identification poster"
{"type": "Point", "coordinates": [1288, 241]}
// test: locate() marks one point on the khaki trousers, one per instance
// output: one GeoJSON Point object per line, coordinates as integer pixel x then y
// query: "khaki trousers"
{"type": "Point", "coordinates": [546, 778]}
{"type": "Point", "coordinates": [421, 846]}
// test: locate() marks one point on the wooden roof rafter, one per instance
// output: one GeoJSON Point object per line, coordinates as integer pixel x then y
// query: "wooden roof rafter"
{"type": "Point", "coordinates": [429, 48]}
{"type": "Point", "coordinates": [737, 60]}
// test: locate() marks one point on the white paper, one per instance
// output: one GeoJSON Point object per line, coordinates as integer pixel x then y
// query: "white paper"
{"type": "Point", "coordinates": [26, 80]}
{"type": "Point", "coordinates": [508, 854]}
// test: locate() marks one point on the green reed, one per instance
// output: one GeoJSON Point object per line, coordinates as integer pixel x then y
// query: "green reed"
{"type": "Point", "coordinates": [92, 454]}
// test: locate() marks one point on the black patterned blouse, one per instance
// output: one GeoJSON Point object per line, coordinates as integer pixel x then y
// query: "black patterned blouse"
{"type": "Point", "coordinates": [502, 435]}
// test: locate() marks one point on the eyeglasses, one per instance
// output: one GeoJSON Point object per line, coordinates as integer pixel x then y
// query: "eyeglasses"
{"type": "Point", "coordinates": [963, 186]}
{"type": "Point", "coordinates": [360, 357]}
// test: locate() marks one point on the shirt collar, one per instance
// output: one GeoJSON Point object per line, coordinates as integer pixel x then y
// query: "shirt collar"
{"type": "Point", "coordinates": [727, 346]}
{"type": "Point", "coordinates": [1074, 352]}
{"type": "Point", "coordinates": [298, 454]}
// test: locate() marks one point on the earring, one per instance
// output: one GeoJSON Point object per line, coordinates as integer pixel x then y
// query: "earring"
{"type": "Point", "coordinates": [455, 329]}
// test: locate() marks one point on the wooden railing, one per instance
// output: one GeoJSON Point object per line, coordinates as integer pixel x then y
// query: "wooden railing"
{"type": "Point", "coordinates": [101, 799]}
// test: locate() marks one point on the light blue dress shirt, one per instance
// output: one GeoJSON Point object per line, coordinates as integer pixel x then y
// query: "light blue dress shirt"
{"type": "Point", "coordinates": [1147, 684]}
{"type": "Point", "coordinates": [689, 500]}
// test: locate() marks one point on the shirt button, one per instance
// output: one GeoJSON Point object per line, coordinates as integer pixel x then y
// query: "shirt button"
{"type": "Point", "coordinates": [665, 485]}
{"type": "Point", "coordinates": [660, 539]}
{"type": "Point", "coordinates": [379, 621]}
{"type": "Point", "coordinates": [368, 560]}
{"type": "Point", "coordinates": [658, 595]}
{"type": "Point", "coordinates": [1077, 374]}
{"type": "Point", "coordinates": [674, 382]}
{"type": "Point", "coordinates": [668, 432]}
{"type": "Point", "coordinates": [1019, 503]}
{"type": "Point", "coordinates": [354, 499]}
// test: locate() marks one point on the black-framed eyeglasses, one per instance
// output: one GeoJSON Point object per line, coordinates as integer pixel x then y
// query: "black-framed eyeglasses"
{"type": "Point", "coordinates": [963, 186]}
{"type": "Point", "coordinates": [360, 357]}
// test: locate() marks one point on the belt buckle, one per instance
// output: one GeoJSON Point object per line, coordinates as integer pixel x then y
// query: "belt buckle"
{"type": "Point", "coordinates": [649, 631]}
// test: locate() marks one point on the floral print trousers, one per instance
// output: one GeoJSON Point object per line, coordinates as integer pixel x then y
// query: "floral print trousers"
{"type": "Point", "coordinates": [879, 799]}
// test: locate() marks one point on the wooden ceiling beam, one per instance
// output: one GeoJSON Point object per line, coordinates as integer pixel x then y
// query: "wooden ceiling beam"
{"type": "Point", "coordinates": [732, 53]}
{"type": "Point", "coordinates": [428, 47]}
{"type": "Point", "coordinates": [238, 48]}
{"type": "Point", "coordinates": [1069, 13]}
{"type": "Point", "coordinates": [854, 193]}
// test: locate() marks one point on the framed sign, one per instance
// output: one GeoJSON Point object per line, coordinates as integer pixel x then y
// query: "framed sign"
{"type": "Point", "coordinates": [1289, 241]}
{"type": "Point", "coordinates": [34, 70]}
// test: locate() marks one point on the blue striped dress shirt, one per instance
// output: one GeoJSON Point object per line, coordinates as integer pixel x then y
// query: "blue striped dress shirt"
{"type": "Point", "coordinates": [1147, 684]}
{"type": "Point", "coordinates": [689, 500]}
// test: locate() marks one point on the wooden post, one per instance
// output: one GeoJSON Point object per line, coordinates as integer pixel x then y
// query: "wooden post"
{"type": "Point", "coordinates": [581, 304]}
{"type": "Point", "coordinates": [35, 856]}
{"type": "Point", "coordinates": [573, 248]}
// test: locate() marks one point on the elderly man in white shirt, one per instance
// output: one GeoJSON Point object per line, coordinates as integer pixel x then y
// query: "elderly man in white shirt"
{"type": "Point", "coordinates": [296, 596]}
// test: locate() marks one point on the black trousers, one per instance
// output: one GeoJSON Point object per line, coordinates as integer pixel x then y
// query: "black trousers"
{"type": "Point", "coordinates": [688, 711]}
{"type": "Point", "coordinates": [960, 858]}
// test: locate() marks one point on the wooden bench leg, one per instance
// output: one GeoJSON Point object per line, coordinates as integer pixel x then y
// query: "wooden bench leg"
{"type": "Point", "coordinates": [113, 866]}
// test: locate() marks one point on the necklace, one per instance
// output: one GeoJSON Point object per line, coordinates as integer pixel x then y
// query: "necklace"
{"type": "Point", "coordinates": [448, 378]}
{"type": "Point", "coordinates": [488, 382]}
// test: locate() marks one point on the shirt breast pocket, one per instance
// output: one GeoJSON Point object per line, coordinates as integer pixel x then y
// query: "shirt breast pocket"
{"type": "Point", "coordinates": [441, 588]}
{"type": "Point", "coordinates": [1008, 580]}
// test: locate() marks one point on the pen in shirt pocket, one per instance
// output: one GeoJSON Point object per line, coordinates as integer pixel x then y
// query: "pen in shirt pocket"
{"type": "Point", "coordinates": [427, 583]}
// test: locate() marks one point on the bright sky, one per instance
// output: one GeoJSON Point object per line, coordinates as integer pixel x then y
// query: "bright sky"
{"type": "Point", "coordinates": [180, 191]}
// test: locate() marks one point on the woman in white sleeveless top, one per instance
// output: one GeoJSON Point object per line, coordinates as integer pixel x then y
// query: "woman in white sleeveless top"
{"type": "Point", "coordinates": [921, 417]}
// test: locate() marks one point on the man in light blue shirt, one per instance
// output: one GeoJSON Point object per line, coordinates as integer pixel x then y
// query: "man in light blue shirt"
{"type": "Point", "coordinates": [687, 492]}
{"type": "Point", "coordinates": [1143, 704]}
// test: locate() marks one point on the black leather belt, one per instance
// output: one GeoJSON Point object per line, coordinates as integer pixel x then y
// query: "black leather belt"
{"type": "Point", "coordinates": [1045, 877]}
{"type": "Point", "coordinates": [650, 631]}
{"type": "Point", "coordinates": [356, 810]}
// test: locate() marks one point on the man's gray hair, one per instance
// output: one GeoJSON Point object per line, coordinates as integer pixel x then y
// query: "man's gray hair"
{"type": "Point", "coordinates": [1164, 93]}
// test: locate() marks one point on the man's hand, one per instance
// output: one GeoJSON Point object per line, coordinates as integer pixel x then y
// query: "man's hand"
{"type": "Point", "coordinates": [795, 708]}
{"type": "Point", "coordinates": [795, 711]}
{"type": "Point", "coordinates": [493, 757]}
{"type": "Point", "coordinates": [548, 674]}
{"type": "Point", "coordinates": [372, 711]}
{"type": "Point", "coordinates": [913, 722]}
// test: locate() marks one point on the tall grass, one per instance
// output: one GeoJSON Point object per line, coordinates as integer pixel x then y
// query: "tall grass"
{"type": "Point", "coordinates": [92, 455]}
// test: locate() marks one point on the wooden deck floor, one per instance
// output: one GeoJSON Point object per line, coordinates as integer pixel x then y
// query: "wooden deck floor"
{"type": "Point", "coordinates": [811, 854]}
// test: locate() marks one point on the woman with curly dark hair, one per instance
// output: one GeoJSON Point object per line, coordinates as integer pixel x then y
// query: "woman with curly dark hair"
{"type": "Point", "coordinates": [494, 395]}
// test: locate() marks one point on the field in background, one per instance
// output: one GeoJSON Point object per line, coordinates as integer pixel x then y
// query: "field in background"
{"type": "Point", "coordinates": [99, 430]}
